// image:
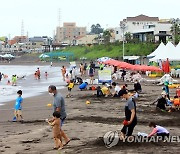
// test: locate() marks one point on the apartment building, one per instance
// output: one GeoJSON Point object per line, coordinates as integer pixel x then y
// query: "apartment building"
{"type": "Point", "coordinates": [69, 32]}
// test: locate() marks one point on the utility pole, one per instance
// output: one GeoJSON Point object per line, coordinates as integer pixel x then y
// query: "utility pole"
{"type": "Point", "coordinates": [123, 26]}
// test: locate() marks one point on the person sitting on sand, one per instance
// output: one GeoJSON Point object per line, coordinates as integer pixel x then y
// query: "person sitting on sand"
{"type": "Point", "coordinates": [137, 86]}
{"type": "Point", "coordinates": [161, 101]}
{"type": "Point", "coordinates": [158, 130]}
{"type": "Point", "coordinates": [83, 86]}
{"type": "Point", "coordinates": [78, 80]}
{"type": "Point", "coordinates": [55, 123]}
{"type": "Point", "coordinates": [116, 89]}
{"type": "Point", "coordinates": [105, 90]}
{"type": "Point", "coordinates": [18, 107]}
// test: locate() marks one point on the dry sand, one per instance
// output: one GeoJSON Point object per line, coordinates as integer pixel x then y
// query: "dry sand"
{"type": "Point", "coordinates": [85, 124]}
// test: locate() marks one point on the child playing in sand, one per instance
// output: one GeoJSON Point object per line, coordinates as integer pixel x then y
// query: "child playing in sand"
{"type": "Point", "coordinates": [55, 123]}
{"type": "Point", "coordinates": [70, 86]}
{"type": "Point", "coordinates": [18, 106]}
{"type": "Point", "coordinates": [158, 130]}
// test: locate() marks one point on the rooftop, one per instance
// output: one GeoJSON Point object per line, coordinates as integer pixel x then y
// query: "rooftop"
{"type": "Point", "coordinates": [142, 18]}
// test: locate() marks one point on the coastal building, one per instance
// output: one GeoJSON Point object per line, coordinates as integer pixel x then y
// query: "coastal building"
{"type": "Point", "coordinates": [20, 39]}
{"type": "Point", "coordinates": [69, 32]}
{"type": "Point", "coordinates": [143, 27]}
{"type": "Point", "coordinates": [37, 43]}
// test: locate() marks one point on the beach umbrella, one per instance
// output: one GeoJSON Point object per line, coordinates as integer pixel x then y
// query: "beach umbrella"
{"type": "Point", "coordinates": [103, 59]}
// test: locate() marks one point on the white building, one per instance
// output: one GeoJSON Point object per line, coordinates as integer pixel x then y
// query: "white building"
{"type": "Point", "coordinates": [140, 26]}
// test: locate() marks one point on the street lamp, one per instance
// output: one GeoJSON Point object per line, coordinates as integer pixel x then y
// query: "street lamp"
{"type": "Point", "coordinates": [123, 26]}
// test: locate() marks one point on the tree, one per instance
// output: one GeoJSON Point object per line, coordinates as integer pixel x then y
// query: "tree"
{"type": "Point", "coordinates": [107, 36]}
{"type": "Point", "coordinates": [175, 30]}
{"type": "Point", "coordinates": [127, 36]}
{"type": "Point", "coordinates": [96, 29]}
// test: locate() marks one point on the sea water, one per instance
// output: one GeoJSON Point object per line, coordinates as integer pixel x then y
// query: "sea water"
{"type": "Point", "coordinates": [27, 82]}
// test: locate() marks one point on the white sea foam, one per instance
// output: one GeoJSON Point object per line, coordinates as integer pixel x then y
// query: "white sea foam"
{"type": "Point", "coordinates": [29, 85]}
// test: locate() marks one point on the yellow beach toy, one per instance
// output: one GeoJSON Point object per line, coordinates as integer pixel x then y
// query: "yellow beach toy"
{"type": "Point", "coordinates": [173, 86]}
{"type": "Point", "coordinates": [88, 102]}
{"type": "Point", "coordinates": [49, 105]}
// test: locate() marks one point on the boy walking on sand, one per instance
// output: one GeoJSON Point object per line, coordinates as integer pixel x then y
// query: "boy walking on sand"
{"type": "Point", "coordinates": [55, 123]}
{"type": "Point", "coordinates": [18, 106]}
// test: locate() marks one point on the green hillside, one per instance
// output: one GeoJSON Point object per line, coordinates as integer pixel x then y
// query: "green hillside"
{"type": "Point", "coordinates": [112, 50]}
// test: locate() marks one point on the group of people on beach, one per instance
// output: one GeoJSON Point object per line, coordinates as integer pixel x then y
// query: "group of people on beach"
{"type": "Point", "coordinates": [104, 90]}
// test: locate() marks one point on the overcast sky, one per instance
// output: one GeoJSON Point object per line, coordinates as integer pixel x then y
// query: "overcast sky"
{"type": "Point", "coordinates": [41, 17]}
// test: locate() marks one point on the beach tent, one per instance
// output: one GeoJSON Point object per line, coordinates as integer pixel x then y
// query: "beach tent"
{"type": "Point", "coordinates": [43, 56]}
{"type": "Point", "coordinates": [8, 56]}
{"type": "Point", "coordinates": [168, 52]}
{"type": "Point", "coordinates": [160, 48]}
{"type": "Point", "coordinates": [177, 50]}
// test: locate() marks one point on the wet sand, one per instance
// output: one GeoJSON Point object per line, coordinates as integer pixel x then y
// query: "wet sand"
{"type": "Point", "coordinates": [85, 124]}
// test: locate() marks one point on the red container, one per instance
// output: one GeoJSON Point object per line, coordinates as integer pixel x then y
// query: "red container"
{"type": "Point", "coordinates": [178, 92]}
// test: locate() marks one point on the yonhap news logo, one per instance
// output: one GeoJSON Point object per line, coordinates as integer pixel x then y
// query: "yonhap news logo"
{"type": "Point", "coordinates": [111, 139]}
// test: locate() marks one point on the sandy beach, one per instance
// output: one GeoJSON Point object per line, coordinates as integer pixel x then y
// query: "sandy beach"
{"type": "Point", "coordinates": [85, 125]}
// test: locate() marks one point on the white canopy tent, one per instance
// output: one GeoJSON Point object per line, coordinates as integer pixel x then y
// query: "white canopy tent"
{"type": "Point", "coordinates": [43, 56]}
{"type": "Point", "coordinates": [160, 48]}
{"type": "Point", "coordinates": [7, 56]}
{"type": "Point", "coordinates": [170, 52]}
{"type": "Point", "coordinates": [178, 48]}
